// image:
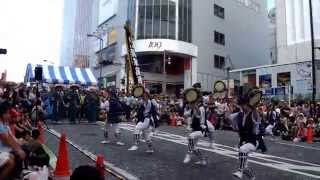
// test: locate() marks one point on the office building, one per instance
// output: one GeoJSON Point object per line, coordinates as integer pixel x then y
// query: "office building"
{"type": "Point", "coordinates": [180, 42]}
{"type": "Point", "coordinates": [293, 29]}
{"type": "Point", "coordinates": [78, 20]}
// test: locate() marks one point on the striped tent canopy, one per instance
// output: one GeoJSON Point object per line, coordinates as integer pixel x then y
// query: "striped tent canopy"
{"type": "Point", "coordinates": [62, 75]}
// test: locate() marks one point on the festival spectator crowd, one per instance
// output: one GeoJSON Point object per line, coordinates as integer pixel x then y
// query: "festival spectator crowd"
{"type": "Point", "coordinates": [22, 107]}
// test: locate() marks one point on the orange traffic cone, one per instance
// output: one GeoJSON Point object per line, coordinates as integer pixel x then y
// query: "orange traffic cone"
{"type": "Point", "coordinates": [310, 135]}
{"type": "Point", "coordinates": [174, 119]}
{"type": "Point", "coordinates": [100, 164]}
{"type": "Point", "coordinates": [62, 166]}
{"type": "Point", "coordinates": [41, 130]}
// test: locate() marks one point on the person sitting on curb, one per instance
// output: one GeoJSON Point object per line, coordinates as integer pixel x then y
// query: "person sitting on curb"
{"type": "Point", "coordinates": [11, 151]}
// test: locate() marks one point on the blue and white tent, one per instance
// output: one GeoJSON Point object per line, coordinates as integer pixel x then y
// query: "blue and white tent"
{"type": "Point", "coordinates": [62, 75]}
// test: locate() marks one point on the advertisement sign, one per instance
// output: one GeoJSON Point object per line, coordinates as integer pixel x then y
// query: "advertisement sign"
{"type": "Point", "coordinates": [283, 79]}
{"type": "Point", "coordinates": [109, 54]}
{"type": "Point", "coordinates": [280, 91]}
{"type": "Point", "coordinates": [304, 77]}
{"type": "Point", "coordinates": [265, 81]}
{"type": "Point", "coordinates": [268, 92]}
{"type": "Point", "coordinates": [112, 37]}
{"type": "Point", "coordinates": [107, 9]}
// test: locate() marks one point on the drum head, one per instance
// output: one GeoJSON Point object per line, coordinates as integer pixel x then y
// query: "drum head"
{"type": "Point", "coordinates": [219, 86]}
{"type": "Point", "coordinates": [191, 95]}
{"type": "Point", "coordinates": [255, 97]}
{"type": "Point", "coordinates": [138, 91]}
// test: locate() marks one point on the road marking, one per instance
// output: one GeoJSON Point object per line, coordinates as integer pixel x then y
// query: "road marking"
{"type": "Point", "coordinates": [257, 158]}
{"type": "Point", "coordinates": [296, 145]}
{"type": "Point", "coordinates": [109, 167]}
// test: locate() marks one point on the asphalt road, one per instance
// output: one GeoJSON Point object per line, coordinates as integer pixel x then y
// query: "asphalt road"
{"type": "Point", "coordinates": [284, 160]}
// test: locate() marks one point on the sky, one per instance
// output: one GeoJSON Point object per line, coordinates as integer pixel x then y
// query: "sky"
{"type": "Point", "coordinates": [270, 4]}
{"type": "Point", "coordinates": [30, 30]}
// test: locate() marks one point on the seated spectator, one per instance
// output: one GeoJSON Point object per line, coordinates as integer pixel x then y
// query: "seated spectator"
{"type": "Point", "coordinates": [36, 155]}
{"type": "Point", "coordinates": [10, 149]}
{"type": "Point", "coordinates": [284, 128]}
{"type": "Point", "coordinates": [301, 132]}
{"type": "Point", "coordinates": [85, 173]}
{"type": "Point", "coordinates": [6, 164]}
{"type": "Point", "coordinates": [311, 123]}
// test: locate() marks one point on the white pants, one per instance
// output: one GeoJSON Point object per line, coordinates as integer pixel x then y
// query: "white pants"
{"type": "Point", "coordinates": [189, 121]}
{"type": "Point", "coordinates": [196, 135]}
{"type": "Point", "coordinates": [192, 144]}
{"type": "Point", "coordinates": [113, 127]}
{"type": "Point", "coordinates": [210, 132]}
{"type": "Point", "coordinates": [247, 148]}
{"type": "Point", "coordinates": [4, 158]}
{"type": "Point", "coordinates": [269, 129]}
{"type": "Point", "coordinates": [145, 128]}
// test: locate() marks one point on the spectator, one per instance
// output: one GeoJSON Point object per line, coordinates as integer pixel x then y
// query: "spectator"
{"type": "Point", "coordinates": [86, 173]}
{"type": "Point", "coordinates": [92, 104]}
{"type": "Point", "coordinates": [36, 155]}
{"type": "Point", "coordinates": [11, 151]}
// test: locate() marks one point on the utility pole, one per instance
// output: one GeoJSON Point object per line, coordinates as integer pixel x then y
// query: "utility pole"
{"type": "Point", "coordinates": [314, 87]}
{"type": "Point", "coordinates": [164, 73]}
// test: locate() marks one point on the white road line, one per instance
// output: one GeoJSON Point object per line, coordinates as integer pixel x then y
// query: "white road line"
{"type": "Point", "coordinates": [111, 167]}
{"type": "Point", "coordinates": [296, 145]}
{"type": "Point", "coordinates": [235, 149]}
{"type": "Point", "coordinates": [283, 166]}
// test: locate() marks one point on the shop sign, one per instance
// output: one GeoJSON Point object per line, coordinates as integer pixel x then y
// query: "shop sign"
{"type": "Point", "coordinates": [155, 45]}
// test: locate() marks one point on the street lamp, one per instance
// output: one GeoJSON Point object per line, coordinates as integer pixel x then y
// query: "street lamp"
{"type": "Point", "coordinates": [100, 56]}
{"type": "Point", "coordinates": [314, 88]}
{"type": "Point", "coordinates": [228, 67]}
{"type": "Point", "coordinates": [164, 72]}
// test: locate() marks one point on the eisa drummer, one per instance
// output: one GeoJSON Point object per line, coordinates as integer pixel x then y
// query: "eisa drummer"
{"type": "Point", "coordinates": [248, 122]}
{"type": "Point", "coordinates": [200, 126]}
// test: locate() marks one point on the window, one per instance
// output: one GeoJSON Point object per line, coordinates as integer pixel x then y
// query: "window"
{"type": "Point", "coordinates": [219, 11]}
{"type": "Point", "coordinates": [219, 38]}
{"type": "Point", "coordinates": [219, 61]}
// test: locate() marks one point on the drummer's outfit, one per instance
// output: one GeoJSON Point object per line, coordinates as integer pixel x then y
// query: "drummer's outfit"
{"type": "Point", "coordinates": [115, 111]}
{"type": "Point", "coordinates": [199, 128]}
{"type": "Point", "coordinates": [145, 125]}
{"type": "Point", "coordinates": [248, 124]}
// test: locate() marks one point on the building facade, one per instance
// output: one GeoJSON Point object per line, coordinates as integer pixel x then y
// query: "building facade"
{"type": "Point", "coordinates": [293, 29]}
{"type": "Point", "coordinates": [180, 42]}
{"type": "Point", "coordinates": [273, 36]}
{"type": "Point", "coordinates": [78, 21]}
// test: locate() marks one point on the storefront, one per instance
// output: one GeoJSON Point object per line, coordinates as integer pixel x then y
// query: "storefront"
{"type": "Point", "coordinates": [166, 65]}
{"type": "Point", "coordinates": [281, 80]}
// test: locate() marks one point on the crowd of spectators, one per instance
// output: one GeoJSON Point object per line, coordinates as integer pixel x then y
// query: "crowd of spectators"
{"type": "Point", "coordinates": [20, 147]}
{"type": "Point", "coordinates": [22, 107]}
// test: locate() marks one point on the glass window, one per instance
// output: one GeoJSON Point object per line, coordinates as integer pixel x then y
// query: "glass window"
{"type": "Point", "coordinates": [189, 27]}
{"type": "Point", "coordinates": [142, 14]}
{"type": "Point", "coordinates": [218, 11]}
{"type": "Point", "coordinates": [156, 19]}
{"type": "Point", "coordinates": [185, 23]}
{"type": "Point", "coordinates": [219, 38]}
{"type": "Point", "coordinates": [149, 15]}
{"type": "Point", "coordinates": [219, 61]}
{"type": "Point", "coordinates": [164, 19]}
{"type": "Point", "coordinates": [172, 19]}
{"type": "Point", "coordinates": [181, 19]}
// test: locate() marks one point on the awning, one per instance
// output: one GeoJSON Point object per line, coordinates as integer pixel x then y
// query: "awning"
{"type": "Point", "coordinates": [62, 75]}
